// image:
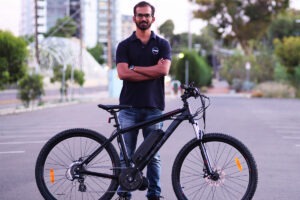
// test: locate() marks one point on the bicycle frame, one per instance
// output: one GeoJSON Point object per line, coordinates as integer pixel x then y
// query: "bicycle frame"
{"type": "Point", "coordinates": [180, 116]}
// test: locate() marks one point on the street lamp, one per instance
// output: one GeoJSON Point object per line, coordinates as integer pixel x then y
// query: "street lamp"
{"type": "Point", "coordinates": [181, 56]}
{"type": "Point", "coordinates": [248, 67]}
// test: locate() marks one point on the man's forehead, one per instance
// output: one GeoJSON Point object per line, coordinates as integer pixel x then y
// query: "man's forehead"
{"type": "Point", "coordinates": [144, 9]}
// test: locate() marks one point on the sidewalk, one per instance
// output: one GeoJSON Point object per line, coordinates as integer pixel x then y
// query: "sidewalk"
{"type": "Point", "coordinates": [12, 105]}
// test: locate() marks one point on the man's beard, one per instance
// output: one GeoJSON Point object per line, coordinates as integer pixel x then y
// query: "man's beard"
{"type": "Point", "coordinates": [143, 25]}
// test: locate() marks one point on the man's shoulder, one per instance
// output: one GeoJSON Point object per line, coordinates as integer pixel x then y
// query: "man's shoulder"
{"type": "Point", "coordinates": [161, 40]}
{"type": "Point", "coordinates": [129, 38]}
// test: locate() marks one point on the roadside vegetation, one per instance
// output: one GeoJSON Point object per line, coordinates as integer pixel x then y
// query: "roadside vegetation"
{"type": "Point", "coordinates": [254, 46]}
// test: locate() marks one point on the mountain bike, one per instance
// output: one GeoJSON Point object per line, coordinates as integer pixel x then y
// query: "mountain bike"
{"type": "Point", "coordinates": [83, 164]}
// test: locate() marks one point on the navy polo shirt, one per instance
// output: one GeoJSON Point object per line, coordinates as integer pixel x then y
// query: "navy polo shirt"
{"type": "Point", "coordinates": [143, 94]}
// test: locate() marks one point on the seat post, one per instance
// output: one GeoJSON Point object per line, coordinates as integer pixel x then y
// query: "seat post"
{"type": "Point", "coordinates": [115, 117]}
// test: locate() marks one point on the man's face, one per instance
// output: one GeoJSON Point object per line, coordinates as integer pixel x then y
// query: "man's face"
{"type": "Point", "coordinates": [143, 18]}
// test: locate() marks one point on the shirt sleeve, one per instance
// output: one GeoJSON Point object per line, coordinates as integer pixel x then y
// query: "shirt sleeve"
{"type": "Point", "coordinates": [166, 50]}
{"type": "Point", "coordinates": [121, 53]}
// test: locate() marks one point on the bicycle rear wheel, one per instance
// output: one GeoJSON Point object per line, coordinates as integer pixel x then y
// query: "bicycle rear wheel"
{"type": "Point", "coordinates": [233, 162]}
{"type": "Point", "coordinates": [59, 157]}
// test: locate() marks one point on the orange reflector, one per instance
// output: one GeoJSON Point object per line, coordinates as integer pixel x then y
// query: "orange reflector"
{"type": "Point", "coordinates": [238, 164]}
{"type": "Point", "coordinates": [52, 179]}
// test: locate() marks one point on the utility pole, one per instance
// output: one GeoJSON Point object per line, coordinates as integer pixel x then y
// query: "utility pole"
{"type": "Point", "coordinates": [36, 32]}
{"type": "Point", "coordinates": [80, 34]}
{"type": "Point", "coordinates": [109, 54]}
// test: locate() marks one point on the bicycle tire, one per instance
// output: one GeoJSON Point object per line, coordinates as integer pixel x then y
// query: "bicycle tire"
{"type": "Point", "coordinates": [63, 150]}
{"type": "Point", "coordinates": [231, 158]}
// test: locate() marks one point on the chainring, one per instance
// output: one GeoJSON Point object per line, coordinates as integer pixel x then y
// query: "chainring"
{"type": "Point", "coordinates": [131, 179]}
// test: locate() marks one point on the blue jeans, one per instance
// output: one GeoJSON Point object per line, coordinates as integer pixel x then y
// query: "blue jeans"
{"type": "Point", "coordinates": [129, 117]}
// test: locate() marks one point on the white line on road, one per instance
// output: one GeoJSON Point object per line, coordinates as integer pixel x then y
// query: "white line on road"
{"type": "Point", "coordinates": [288, 127]}
{"type": "Point", "coordinates": [297, 145]}
{"type": "Point", "coordinates": [291, 138]}
{"type": "Point", "coordinates": [25, 142]}
{"type": "Point", "coordinates": [11, 152]}
{"type": "Point", "coordinates": [287, 131]}
{"type": "Point", "coordinates": [24, 136]}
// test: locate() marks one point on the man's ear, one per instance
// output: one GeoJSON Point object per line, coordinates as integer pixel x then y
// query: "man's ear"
{"type": "Point", "coordinates": [153, 19]}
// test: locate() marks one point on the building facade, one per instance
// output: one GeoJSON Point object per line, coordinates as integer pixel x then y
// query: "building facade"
{"type": "Point", "coordinates": [98, 21]}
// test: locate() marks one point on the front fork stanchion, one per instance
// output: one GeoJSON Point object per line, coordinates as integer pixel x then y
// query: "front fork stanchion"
{"type": "Point", "coordinates": [204, 154]}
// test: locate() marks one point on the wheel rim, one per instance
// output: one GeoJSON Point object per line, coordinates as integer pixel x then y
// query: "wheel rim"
{"type": "Point", "coordinates": [59, 175]}
{"type": "Point", "coordinates": [229, 164]}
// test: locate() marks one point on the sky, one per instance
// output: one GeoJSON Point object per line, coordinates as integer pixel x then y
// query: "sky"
{"type": "Point", "coordinates": [177, 11]}
{"type": "Point", "coordinates": [10, 11]}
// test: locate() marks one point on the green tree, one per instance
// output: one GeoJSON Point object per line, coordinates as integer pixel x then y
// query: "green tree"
{"type": "Point", "coordinates": [31, 88]}
{"type": "Point", "coordinates": [97, 53]}
{"type": "Point", "coordinates": [284, 25]}
{"type": "Point", "coordinates": [206, 39]}
{"type": "Point", "coordinates": [234, 68]}
{"type": "Point", "coordinates": [13, 55]}
{"type": "Point", "coordinates": [240, 20]}
{"type": "Point", "coordinates": [58, 77]}
{"type": "Point", "coordinates": [288, 50]}
{"type": "Point", "coordinates": [167, 29]}
{"type": "Point", "coordinates": [199, 71]}
{"type": "Point", "coordinates": [4, 74]}
{"type": "Point", "coordinates": [64, 27]}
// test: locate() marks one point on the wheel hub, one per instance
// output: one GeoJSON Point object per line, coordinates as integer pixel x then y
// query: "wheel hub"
{"type": "Point", "coordinates": [217, 178]}
{"type": "Point", "coordinates": [72, 171]}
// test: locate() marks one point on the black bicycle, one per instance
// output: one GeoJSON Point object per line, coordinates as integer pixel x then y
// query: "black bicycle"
{"type": "Point", "coordinates": [83, 164]}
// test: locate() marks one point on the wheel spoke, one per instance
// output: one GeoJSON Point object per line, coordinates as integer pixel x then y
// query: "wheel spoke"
{"type": "Point", "coordinates": [226, 155]}
{"type": "Point", "coordinates": [56, 167]}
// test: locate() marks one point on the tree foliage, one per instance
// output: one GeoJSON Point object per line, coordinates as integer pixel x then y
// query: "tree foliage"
{"type": "Point", "coordinates": [64, 27]}
{"type": "Point", "coordinates": [30, 88]}
{"type": "Point", "coordinates": [97, 53]}
{"type": "Point", "coordinates": [284, 25]}
{"type": "Point", "coordinates": [13, 55]}
{"type": "Point", "coordinates": [78, 77]}
{"type": "Point", "coordinates": [288, 50]}
{"type": "Point", "coordinates": [239, 19]}
{"type": "Point", "coordinates": [167, 29]}
{"type": "Point", "coordinates": [199, 71]}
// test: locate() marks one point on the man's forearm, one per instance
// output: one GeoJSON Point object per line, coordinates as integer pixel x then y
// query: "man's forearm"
{"type": "Point", "coordinates": [130, 75]}
{"type": "Point", "coordinates": [156, 71]}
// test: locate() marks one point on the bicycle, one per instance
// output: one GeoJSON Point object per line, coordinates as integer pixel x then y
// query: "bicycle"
{"type": "Point", "coordinates": [84, 164]}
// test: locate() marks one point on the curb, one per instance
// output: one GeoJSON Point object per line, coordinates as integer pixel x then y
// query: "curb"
{"type": "Point", "coordinates": [104, 96]}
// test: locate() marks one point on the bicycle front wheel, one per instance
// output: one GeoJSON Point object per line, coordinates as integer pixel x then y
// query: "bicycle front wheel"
{"type": "Point", "coordinates": [233, 164]}
{"type": "Point", "coordinates": [56, 166]}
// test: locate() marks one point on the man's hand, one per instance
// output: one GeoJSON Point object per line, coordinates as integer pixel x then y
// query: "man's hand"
{"type": "Point", "coordinates": [160, 69]}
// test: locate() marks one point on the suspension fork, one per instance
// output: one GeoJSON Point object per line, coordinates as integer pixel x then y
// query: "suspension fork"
{"type": "Point", "coordinates": [199, 135]}
{"type": "Point", "coordinates": [204, 154]}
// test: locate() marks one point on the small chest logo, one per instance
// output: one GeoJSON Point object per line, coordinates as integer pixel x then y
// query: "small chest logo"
{"type": "Point", "coordinates": [155, 50]}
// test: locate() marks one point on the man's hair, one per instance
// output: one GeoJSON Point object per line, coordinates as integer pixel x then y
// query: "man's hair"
{"type": "Point", "coordinates": [144, 4]}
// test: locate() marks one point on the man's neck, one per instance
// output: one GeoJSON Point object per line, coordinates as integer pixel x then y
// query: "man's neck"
{"type": "Point", "coordinates": [144, 36]}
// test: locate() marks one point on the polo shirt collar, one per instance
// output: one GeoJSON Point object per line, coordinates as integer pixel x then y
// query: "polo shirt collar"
{"type": "Point", "coordinates": [133, 36]}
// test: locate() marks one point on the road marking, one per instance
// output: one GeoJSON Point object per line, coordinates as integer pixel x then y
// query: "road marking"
{"type": "Point", "coordinates": [288, 127]}
{"type": "Point", "coordinates": [287, 131]}
{"type": "Point", "coordinates": [25, 142]}
{"type": "Point", "coordinates": [291, 138]}
{"type": "Point", "coordinates": [11, 152]}
{"type": "Point", "coordinates": [24, 136]}
{"type": "Point", "coordinates": [297, 145]}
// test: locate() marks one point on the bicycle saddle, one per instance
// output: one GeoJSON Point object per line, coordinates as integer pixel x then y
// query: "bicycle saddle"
{"type": "Point", "coordinates": [113, 107]}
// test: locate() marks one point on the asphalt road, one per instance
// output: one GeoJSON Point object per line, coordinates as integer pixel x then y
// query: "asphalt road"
{"type": "Point", "coordinates": [269, 127]}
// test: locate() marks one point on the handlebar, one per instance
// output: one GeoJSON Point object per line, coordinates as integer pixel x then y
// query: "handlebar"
{"type": "Point", "coordinates": [191, 91]}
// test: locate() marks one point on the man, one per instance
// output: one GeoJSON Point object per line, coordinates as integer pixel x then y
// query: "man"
{"type": "Point", "coordinates": [143, 60]}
